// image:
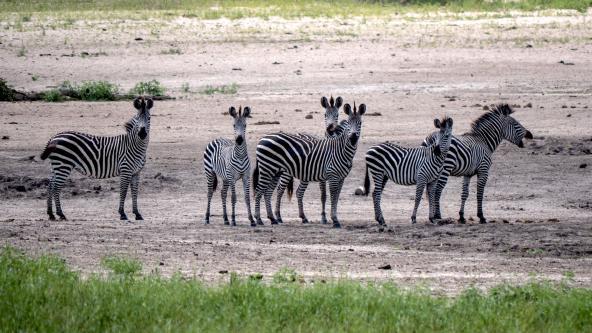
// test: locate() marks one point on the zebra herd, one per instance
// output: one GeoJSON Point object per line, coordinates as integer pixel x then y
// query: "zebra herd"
{"type": "Point", "coordinates": [281, 157]}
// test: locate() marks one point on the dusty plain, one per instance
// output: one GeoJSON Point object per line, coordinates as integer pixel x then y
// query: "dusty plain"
{"type": "Point", "coordinates": [408, 69]}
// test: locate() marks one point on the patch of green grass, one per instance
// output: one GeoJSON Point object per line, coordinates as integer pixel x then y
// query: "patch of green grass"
{"type": "Point", "coordinates": [21, 52]}
{"type": "Point", "coordinates": [236, 9]}
{"type": "Point", "coordinates": [153, 88]}
{"type": "Point", "coordinates": [34, 77]}
{"type": "Point", "coordinates": [44, 295]}
{"type": "Point", "coordinates": [185, 87]}
{"type": "Point", "coordinates": [122, 266]}
{"type": "Point", "coordinates": [230, 89]}
{"type": "Point", "coordinates": [53, 95]}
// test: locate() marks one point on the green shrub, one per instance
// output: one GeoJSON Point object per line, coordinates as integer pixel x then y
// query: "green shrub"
{"type": "Point", "coordinates": [122, 266]}
{"type": "Point", "coordinates": [97, 91]}
{"type": "Point", "coordinates": [153, 88]}
{"type": "Point", "coordinates": [230, 89]}
{"type": "Point", "coordinates": [53, 95]}
{"type": "Point", "coordinates": [6, 93]}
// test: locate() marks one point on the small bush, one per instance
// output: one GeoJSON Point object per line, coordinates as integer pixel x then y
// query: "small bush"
{"type": "Point", "coordinates": [230, 89]}
{"type": "Point", "coordinates": [6, 93]}
{"type": "Point", "coordinates": [53, 96]}
{"type": "Point", "coordinates": [96, 91]}
{"type": "Point", "coordinates": [122, 266]}
{"type": "Point", "coordinates": [153, 88]}
{"type": "Point", "coordinates": [185, 87]}
{"type": "Point", "coordinates": [175, 51]}
{"type": "Point", "coordinates": [21, 52]}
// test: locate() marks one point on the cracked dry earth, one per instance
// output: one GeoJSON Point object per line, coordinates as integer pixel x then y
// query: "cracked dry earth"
{"type": "Point", "coordinates": [538, 198]}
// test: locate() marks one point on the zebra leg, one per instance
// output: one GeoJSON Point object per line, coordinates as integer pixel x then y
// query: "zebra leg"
{"type": "Point", "coordinates": [281, 187]}
{"type": "Point", "coordinates": [300, 196]}
{"type": "Point", "coordinates": [267, 196]}
{"type": "Point", "coordinates": [481, 182]}
{"type": "Point", "coordinates": [431, 189]}
{"type": "Point", "coordinates": [211, 178]}
{"type": "Point", "coordinates": [135, 185]}
{"type": "Point", "coordinates": [224, 192]}
{"type": "Point", "coordinates": [124, 184]}
{"type": "Point", "coordinates": [257, 209]}
{"type": "Point", "coordinates": [379, 183]}
{"type": "Point", "coordinates": [421, 184]}
{"type": "Point", "coordinates": [50, 198]}
{"type": "Point", "coordinates": [463, 199]}
{"type": "Point", "coordinates": [60, 178]}
{"type": "Point", "coordinates": [441, 183]}
{"type": "Point", "coordinates": [246, 185]}
{"type": "Point", "coordinates": [323, 186]}
{"type": "Point", "coordinates": [335, 189]}
{"type": "Point", "coordinates": [233, 203]}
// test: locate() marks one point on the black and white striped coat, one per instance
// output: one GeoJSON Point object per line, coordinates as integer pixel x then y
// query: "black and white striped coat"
{"type": "Point", "coordinates": [419, 166]}
{"type": "Point", "coordinates": [470, 154]}
{"type": "Point", "coordinates": [101, 157]}
{"type": "Point", "coordinates": [332, 128]}
{"type": "Point", "coordinates": [229, 160]}
{"type": "Point", "coordinates": [307, 159]}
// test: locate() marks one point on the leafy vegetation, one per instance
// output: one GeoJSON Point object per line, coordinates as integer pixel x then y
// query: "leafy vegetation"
{"type": "Point", "coordinates": [153, 88]}
{"type": "Point", "coordinates": [6, 93]}
{"type": "Point", "coordinates": [230, 89]}
{"type": "Point", "coordinates": [95, 91]}
{"type": "Point", "coordinates": [235, 9]}
{"type": "Point", "coordinates": [53, 95]}
{"type": "Point", "coordinates": [44, 295]}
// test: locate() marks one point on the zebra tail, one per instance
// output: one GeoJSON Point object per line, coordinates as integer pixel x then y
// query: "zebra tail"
{"type": "Point", "coordinates": [290, 188]}
{"type": "Point", "coordinates": [50, 148]}
{"type": "Point", "coordinates": [255, 178]}
{"type": "Point", "coordinates": [367, 182]}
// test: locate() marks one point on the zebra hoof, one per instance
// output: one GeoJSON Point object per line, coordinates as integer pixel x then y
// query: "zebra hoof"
{"type": "Point", "coordinates": [260, 222]}
{"type": "Point", "coordinates": [62, 217]}
{"type": "Point", "coordinates": [336, 225]}
{"type": "Point", "coordinates": [323, 219]}
{"type": "Point", "coordinates": [279, 220]}
{"type": "Point", "coordinates": [206, 222]}
{"type": "Point", "coordinates": [253, 224]}
{"type": "Point", "coordinates": [413, 220]}
{"type": "Point", "coordinates": [305, 221]}
{"type": "Point", "coordinates": [482, 221]}
{"type": "Point", "coordinates": [233, 223]}
{"type": "Point", "coordinates": [226, 222]}
{"type": "Point", "coordinates": [139, 217]}
{"type": "Point", "coordinates": [462, 220]}
{"type": "Point", "coordinates": [274, 222]}
{"type": "Point", "coordinates": [51, 217]}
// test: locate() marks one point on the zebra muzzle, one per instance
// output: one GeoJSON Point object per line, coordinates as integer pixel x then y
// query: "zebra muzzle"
{"type": "Point", "coordinates": [142, 134]}
{"type": "Point", "coordinates": [239, 140]}
{"type": "Point", "coordinates": [528, 135]}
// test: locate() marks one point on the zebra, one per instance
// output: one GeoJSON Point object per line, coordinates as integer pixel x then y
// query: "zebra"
{"type": "Point", "coordinates": [101, 157]}
{"type": "Point", "coordinates": [406, 166]}
{"type": "Point", "coordinates": [229, 160]}
{"type": "Point", "coordinates": [307, 159]}
{"type": "Point", "coordinates": [470, 154]}
{"type": "Point", "coordinates": [287, 181]}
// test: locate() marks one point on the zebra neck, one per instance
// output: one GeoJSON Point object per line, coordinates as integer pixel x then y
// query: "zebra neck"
{"type": "Point", "coordinates": [240, 151]}
{"type": "Point", "coordinates": [491, 135]}
{"type": "Point", "coordinates": [344, 148]}
{"type": "Point", "coordinates": [135, 143]}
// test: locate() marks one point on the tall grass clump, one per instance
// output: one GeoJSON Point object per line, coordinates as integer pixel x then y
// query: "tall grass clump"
{"type": "Point", "coordinates": [44, 295]}
{"type": "Point", "coordinates": [229, 89]}
{"type": "Point", "coordinates": [53, 95]}
{"type": "Point", "coordinates": [90, 90]}
{"type": "Point", "coordinates": [152, 87]}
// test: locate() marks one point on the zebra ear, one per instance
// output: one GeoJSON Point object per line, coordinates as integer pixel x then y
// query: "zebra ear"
{"type": "Point", "coordinates": [324, 102]}
{"type": "Point", "coordinates": [247, 112]}
{"type": "Point", "coordinates": [362, 109]}
{"type": "Point", "coordinates": [138, 103]}
{"type": "Point", "coordinates": [449, 122]}
{"type": "Point", "coordinates": [232, 112]}
{"type": "Point", "coordinates": [437, 123]}
{"type": "Point", "coordinates": [347, 109]}
{"type": "Point", "coordinates": [338, 102]}
{"type": "Point", "coordinates": [149, 103]}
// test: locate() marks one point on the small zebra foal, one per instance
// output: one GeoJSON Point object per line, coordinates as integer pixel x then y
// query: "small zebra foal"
{"type": "Point", "coordinates": [406, 166]}
{"type": "Point", "coordinates": [101, 157]}
{"type": "Point", "coordinates": [229, 160]}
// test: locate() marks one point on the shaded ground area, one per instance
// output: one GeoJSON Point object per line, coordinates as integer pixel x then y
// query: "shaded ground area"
{"type": "Point", "coordinates": [538, 198]}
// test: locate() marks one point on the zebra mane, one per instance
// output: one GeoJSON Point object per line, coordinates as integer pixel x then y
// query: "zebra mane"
{"type": "Point", "coordinates": [483, 123]}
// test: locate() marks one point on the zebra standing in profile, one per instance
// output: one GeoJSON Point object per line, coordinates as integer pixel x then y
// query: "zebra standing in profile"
{"type": "Point", "coordinates": [101, 157]}
{"type": "Point", "coordinates": [328, 159]}
{"type": "Point", "coordinates": [470, 154]}
{"type": "Point", "coordinates": [407, 166]}
{"type": "Point", "coordinates": [229, 160]}
{"type": "Point", "coordinates": [285, 180]}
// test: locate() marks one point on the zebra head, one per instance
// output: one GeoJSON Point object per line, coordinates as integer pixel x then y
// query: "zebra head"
{"type": "Point", "coordinates": [444, 136]}
{"type": "Point", "coordinates": [331, 113]}
{"type": "Point", "coordinates": [512, 130]}
{"type": "Point", "coordinates": [354, 122]}
{"type": "Point", "coordinates": [240, 123]}
{"type": "Point", "coordinates": [140, 124]}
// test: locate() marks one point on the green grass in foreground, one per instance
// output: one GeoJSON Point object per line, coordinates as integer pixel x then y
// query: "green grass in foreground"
{"type": "Point", "coordinates": [233, 9]}
{"type": "Point", "coordinates": [45, 295]}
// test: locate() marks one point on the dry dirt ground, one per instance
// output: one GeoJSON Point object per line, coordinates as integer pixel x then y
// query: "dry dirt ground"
{"type": "Point", "coordinates": [410, 71]}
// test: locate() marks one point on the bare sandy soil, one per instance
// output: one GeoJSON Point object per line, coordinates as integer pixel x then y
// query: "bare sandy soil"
{"type": "Point", "coordinates": [538, 198]}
